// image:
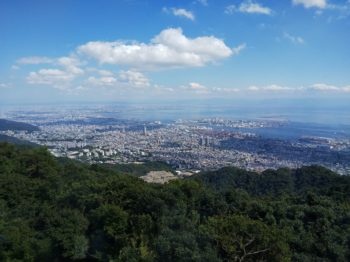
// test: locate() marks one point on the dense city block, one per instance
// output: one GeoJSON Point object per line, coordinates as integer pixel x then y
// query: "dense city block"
{"type": "Point", "coordinates": [91, 136]}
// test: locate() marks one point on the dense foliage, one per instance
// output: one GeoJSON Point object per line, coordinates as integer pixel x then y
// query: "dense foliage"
{"type": "Point", "coordinates": [54, 210]}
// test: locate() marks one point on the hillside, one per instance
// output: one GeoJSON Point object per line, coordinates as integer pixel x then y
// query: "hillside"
{"type": "Point", "coordinates": [65, 210]}
{"type": "Point", "coordinates": [6, 124]}
{"type": "Point", "coordinates": [276, 182]}
{"type": "Point", "coordinates": [16, 141]}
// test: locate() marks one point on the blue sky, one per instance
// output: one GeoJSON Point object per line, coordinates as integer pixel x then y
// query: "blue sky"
{"type": "Point", "coordinates": [112, 50]}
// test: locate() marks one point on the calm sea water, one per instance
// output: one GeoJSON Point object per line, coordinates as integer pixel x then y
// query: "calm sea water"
{"type": "Point", "coordinates": [324, 120]}
{"type": "Point", "coordinates": [303, 117]}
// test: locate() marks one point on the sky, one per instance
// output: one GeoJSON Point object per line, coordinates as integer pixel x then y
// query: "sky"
{"type": "Point", "coordinates": [163, 50]}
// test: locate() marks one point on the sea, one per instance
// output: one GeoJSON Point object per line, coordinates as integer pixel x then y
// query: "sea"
{"type": "Point", "coordinates": [301, 118]}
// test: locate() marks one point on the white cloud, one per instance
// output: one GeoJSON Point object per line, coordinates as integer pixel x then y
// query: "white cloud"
{"type": "Point", "coordinates": [343, 10]}
{"type": "Point", "coordinates": [126, 80]}
{"type": "Point", "coordinates": [170, 49]}
{"type": "Point", "coordinates": [294, 39]}
{"type": "Point", "coordinates": [134, 78]}
{"type": "Point", "coordinates": [225, 90]}
{"type": "Point", "coordinates": [238, 49]}
{"type": "Point", "coordinates": [55, 77]}
{"type": "Point", "coordinates": [277, 88]}
{"type": "Point", "coordinates": [273, 87]}
{"type": "Point", "coordinates": [58, 78]}
{"type": "Point", "coordinates": [101, 81]}
{"type": "Point", "coordinates": [105, 72]}
{"type": "Point", "coordinates": [179, 12]}
{"type": "Point", "coordinates": [230, 9]}
{"type": "Point", "coordinates": [101, 72]}
{"type": "Point", "coordinates": [253, 88]}
{"type": "Point", "coordinates": [318, 87]}
{"type": "Point", "coordinates": [71, 65]}
{"type": "Point", "coordinates": [183, 13]}
{"type": "Point", "coordinates": [324, 87]}
{"type": "Point", "coordinates": [34, 60]}
{"type": "Point", "coordinates": [196, 88]}
{"type": "Point", "coordinates": [329, 88]}
{"type": "Point", "coordinates": [311, 3]}
{"type": "Point", "coordinates": [249, 7]}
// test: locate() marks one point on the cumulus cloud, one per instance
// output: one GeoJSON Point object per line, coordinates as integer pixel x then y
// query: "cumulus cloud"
{"type": "Point", "coordinates": [293, 39]}
{"type": "Point", "coordinates": [101, 81]}
{"type": "Point", "coordinates": [34, 60]}
{"type": "Point", "coordinates": [311, 3]}
{"type": "Point", "coordinates": [58, 78]}
{"type": "Point", "coordinates": [101, 72]}
{"type": "Point", "coordinates": [125, 79]}
{"type": "Point", "coordinates": [54, 77]}
{"type": "Point", "coordinates": [170, 49]}
{"type": "Point", "coordinates": [71, 64]}
{"type": "Point", "coordinates": [105, 72]}
{"type": "Point", "coordinates": [249, 7]}
{"type": "Point", "coordinates": [134, 78]}
{"type": "Point", "coordinates": [167, 50]}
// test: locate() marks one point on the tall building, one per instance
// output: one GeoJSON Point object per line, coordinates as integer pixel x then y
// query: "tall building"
{"type": "Point", "coordinates": [144, 130]}
{"type": "Point", "coordinates": [201, 141]}
{"type": "Point", "coordinates": [207, 141]}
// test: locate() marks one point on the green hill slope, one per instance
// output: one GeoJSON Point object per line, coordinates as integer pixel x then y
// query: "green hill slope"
{"type": "Point", "coordinates": [275, 182]}
{"type": "Point", "coordinates": [14, 140]}
{"type": "Point", "coordinates": [14, 125]}
{"type": "Point", "coordinates": [54, 210]}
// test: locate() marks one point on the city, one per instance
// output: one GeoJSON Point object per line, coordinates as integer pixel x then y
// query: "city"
{"type": "Point", "coordinates": [187, 145]}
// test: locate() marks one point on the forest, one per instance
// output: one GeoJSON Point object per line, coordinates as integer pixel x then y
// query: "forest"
{"type": "Point", "coordinates": [54, 209]}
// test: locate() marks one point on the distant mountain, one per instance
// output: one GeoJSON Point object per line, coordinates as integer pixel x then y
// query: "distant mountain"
{"type": "Point", "coordinates": [14, 125]}
{"type": "Point", "coordinates": [16, 141]}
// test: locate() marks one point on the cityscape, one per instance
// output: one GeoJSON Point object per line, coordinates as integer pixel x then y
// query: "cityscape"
{"type": "Point", "coordinates": [189, 146]}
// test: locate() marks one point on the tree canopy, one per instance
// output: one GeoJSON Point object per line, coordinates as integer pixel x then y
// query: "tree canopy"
{"type": "Point", "coordinates": [63, 210]}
